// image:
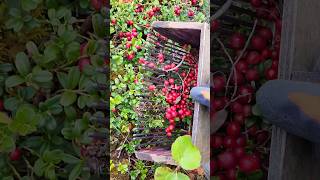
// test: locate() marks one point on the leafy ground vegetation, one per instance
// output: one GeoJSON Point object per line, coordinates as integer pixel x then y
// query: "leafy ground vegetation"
{"type": "Point", "coordinates": [52, 53]}
{"type": "Point", "coordinates": [130, 25]}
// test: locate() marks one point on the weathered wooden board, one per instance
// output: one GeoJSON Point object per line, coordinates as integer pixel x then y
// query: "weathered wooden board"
{"type": "Point", "coordinates": [293, 158]}
{"type": "Point", "coordinates": [198, 35]}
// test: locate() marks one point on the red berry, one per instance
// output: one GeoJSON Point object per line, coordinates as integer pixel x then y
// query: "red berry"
{"type": "Point", "coordinates": [258, 42]}
{"type": "Point", "coordinates": [218, 103]}
{"type": "Point", "coordinates": [231, 174]}
{"type": "Point", "coordinates": [236, 107]}
{"type": "Point", "coordinates": [242, 66]}
{"type": "Point", "coordinates": [249, 164]}
{"type": "Point", "coordinates": [219, 83]}
{"type": "Point", "coordinates": [229, 142]}
{"type": "Point", "coordinates": [113, 21]}
{"type": "Point", "coordinates": [171, 81]}
{"type": "Point", "coordinates": [130, 56]}
{"type": "Point", "coordinates": [171, 127]}
{"type": "Point", "coordinates": [213, 167]}
{"type": "Point", "coordinates": [237, 78]}
{"type": "Point", "coordinates": [266, 53]}
{"type": "Point", "coordinates": [271, 73]}
{"type": "Point", "coordinates": [261, 137]}
{"type": "Point", "coordinates": [169, 134]}
{"type": "Point", "coordinates": [216, 141]}
{"type": "Point", "coordinates": [246, 93]}
{"type": "Point", "coordinates": [83, 63]}
{"type": "Point", "coordinates": [239, 152]}
{"type": "Point", "coordinates": [239, 118]}
{"type": "Point", "coordinates": [237, 41]}
{"type": "Point", "coordinates": [233, 129]}
{"type": "Point", "coordinates": [130, 22]}
{"type": "Point", "coordinates": [190, 13]}
{"type": "Point", "coordinates": [252, 75]}
{"type": "Point", "coordinates": [227, 160]}
{"type": "Point", "coordinates": [256, 3]}
{"type": "Point", "coordinates": [1, 105]}
{"type": "Point", "coordinates": [96, 4]}
{"type": "Point", "coordinates": [214, 25]}
{"type": "Point", "coordinates": [253, 57]}
{"type": "Point", "coordinates": [247, 110]}
{"type": "Point", "coordinates": [15, 155]}
{"type": "Point", "coordinates": [266, 33]}
{"type": "Point", "coordinates": [128, 45]}
{"type": "Point", "coordinates": [152, 87]}
{"type": "Point", "coordinates": [241, 141]}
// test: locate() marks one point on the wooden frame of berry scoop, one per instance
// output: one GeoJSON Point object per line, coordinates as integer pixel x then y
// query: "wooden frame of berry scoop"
{"type": "Point", "coordinates": [198, 35]}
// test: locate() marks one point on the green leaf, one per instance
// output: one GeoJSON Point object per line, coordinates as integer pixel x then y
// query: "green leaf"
{"type": "Point", "coordinates": [51, 173]}
{"type": "Point", "coordinates": [177, 176]}
{"type": "Point", "coordinates": [67, 158]}
{"type": "Point", "coordinates": [51, 53]}
{"type": "Point", "coordinates": [13, 81]}
{"type": "Point", "coordinates": [54, 156]}
{"type": "Point", "coordinates": [185, 153]}
{"type": "Point", "coordinates": [32, 48]}
{"type": "Point", "coordinates": [82, 101]}
{"type": "Point", "coordinates": [73, 51]}
{"type": "Point", "coordinates": [6, 67]}
{"type": "Point", "coordinates": [39, 167]}
{"type": "Point", "coordinates": [256, 175]}
{"type": "Point", "coordinates": [7, 143]}
{"type": "Point", "coordinates": [76, 171]}
{"type": "Point", "coordinates": [4, 118]}
{"type": "Point", "coordinates": [22, 64]}
{"type": "Point", "coordinates": [63, 79]}
{"type": "Point", "coordinates": [11, 103]}
{"type": "Point", "coordinates": [29, 5]}
{"type": "Point", "coordinates": [73, 78]}
{"type": "Point", "coordinates": [42, 76]}
{"type": "Point", "coordinates": [25, 121]}
{"type": "Point", "coordinates": [99, 26]}
{"type": "Point", "coordinates": [256, 111]}
{"type": "Point", "coordinates": [68, 98]}
{"type": "Point", "coordinates": [84, 4]}
{"type": "Point", "coordinates": [162, 172]}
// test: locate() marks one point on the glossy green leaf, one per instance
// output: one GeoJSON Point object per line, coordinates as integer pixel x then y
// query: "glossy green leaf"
{"type": "Point", "coordinates": [22, 63]}
{"type": "Point", "coordinates": [13, 81]}
{"type": "Point", "coordinates": [185, 153]}
{"type": "Point", "coordinates": [68, 98]}
{"type": "Point", "coordinates": [42, 76]}
{"type": "Point", "coordinates": [76, 171]}
{"type": "Point", "coordinates": [73, 78]}
{"type": "Point", "coordinates": [25, 121]}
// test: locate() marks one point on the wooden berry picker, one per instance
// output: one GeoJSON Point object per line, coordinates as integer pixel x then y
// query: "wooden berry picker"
{"type": "Point", "coordinates": [172, 63]}
{"type": "Point", "coordinates": [245, 51]}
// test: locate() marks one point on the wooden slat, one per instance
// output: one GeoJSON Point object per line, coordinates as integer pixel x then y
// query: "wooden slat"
{"type": "Point", "coordinates": [293, 158]}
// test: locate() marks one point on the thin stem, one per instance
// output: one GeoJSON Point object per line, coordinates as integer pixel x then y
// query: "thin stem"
{"type": "Point", "coordinates": [15, 171]}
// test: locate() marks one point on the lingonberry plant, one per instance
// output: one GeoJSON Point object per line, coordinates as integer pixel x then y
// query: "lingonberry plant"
{"type": "Point", "coordinates": [50, 54]}
{"type": "Point", "coordinates": [250, 56]}
{"type": "Point", "coordinates": [130, 24]}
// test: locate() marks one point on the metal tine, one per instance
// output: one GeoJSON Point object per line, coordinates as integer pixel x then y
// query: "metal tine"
{"type": "Point", "coordinates": [154, 51]}
{"type": "Point", "coordinates": [155, 60]}
{"type": "Point", "coordinates": [154, 70]}
{"type": "Point", "coordinates": [151, 137]}
{"type": "Point", "coordinates": [142, 128]}
{"type": "Point", "coordinates": [167, 45]}
{"type": "Point", "coordinates": [233, 8]}
{"type": "Point", "coordinates": [100, 120]}
{"type": "Point", "coordinates": [155, 143]}
{"type": "Point", "coordinates": [149, 134]}
{"type": "Point", "coordinates": [151, 81]}
{"type": "Point", "coordinates": [167, 41]}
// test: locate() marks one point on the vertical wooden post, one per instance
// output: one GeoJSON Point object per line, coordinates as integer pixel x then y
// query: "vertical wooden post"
{"type": "Point", "coordinates": [293, 158]}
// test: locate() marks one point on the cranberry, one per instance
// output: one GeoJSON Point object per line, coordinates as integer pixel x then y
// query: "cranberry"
{"type": "Point", "coordinates": [15, 155]}
{"type": "Point", "coordinates": [233, 129]}
{"type": "Point", "coordinates": [249, 164]}
{"type": "Point", "coordinates": [227, 160]}
{"type": "Point", "coordinates": [237, 41]}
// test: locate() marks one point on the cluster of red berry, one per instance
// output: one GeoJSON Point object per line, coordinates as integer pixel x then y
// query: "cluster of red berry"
{"type": "Point", "coordinates": [239, 145]}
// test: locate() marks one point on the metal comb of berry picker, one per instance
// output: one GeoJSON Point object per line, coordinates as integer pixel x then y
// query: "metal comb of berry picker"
{"type": "Point", "coordinates": [167, 55]}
